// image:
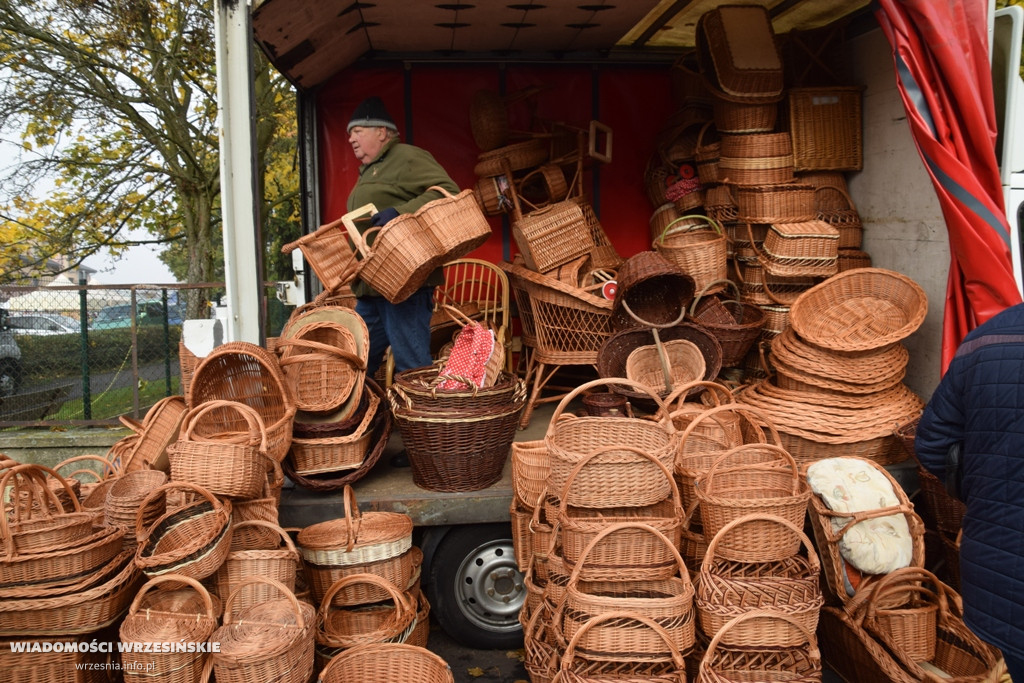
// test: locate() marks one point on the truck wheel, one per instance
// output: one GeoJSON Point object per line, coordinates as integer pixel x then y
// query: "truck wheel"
{"type": "Point", "coordinates": [475, 588]}
{"type": "Point", "coordinates": [10, 378]}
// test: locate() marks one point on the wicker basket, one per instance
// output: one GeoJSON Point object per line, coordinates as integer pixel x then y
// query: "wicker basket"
{"type": "Point", "coordinates": [668, 602]}
{"type": "Point", "coordinates": [800, 664]}
{"type": "Point", "coordinates": [652, 291]}
{"type": "Point", "coordinates": [387, 663]}
{"type": "Point", "coordinates": [323, 364]}
{"type": "Point", "coordinates": [272, 641]}
{"type": "Point", "coordinates": [488, 120]}
{"type": "Point", "coordinates": [494, 193]}
{"type": "Point", "coordinates": [251, 555]}
{"type": "Point", "coordinates": [122, 505]}
{"type": "Point", "coordinates": [772, 486]}
{"type": "Point", "coordinates": [630, 553]}
{"type": "Point", "coordinates": [663, 366]}
{"type": "Point", "coordinates": [698, 246]}
{"type": "Point", "coordinates": [39, 523]}
{"type": "Point", "coordinates": [736, 47]}
{"type": "Point", "coordinates": [455, 221]}
{"type": "Point", "coordinates": [706, 155]}
{"type": "Point", "coordinates": [401, 257]}
{"type": "Point", "coordinates": [856, 310]}
{"type": "Point", "coordinates": [727, 589]}
{"type": "Point", "coordinates": [341, 626]}
{"type": "Point", "coordinates": [320, 454]}
{"type": "Point", "coordinates": [787, 203]}
{"type": "Point", "coordinates": [624, 629]}
{"type": "Point", "coordinates": [530, 468]}
{"type": "Point", "coordinates": [458, 451]}
{"type": "Point", "coordinates": [551, 236]}
{"type": "Point", "coordinates": [192, 540]}
{"type": "Point", "coordinates": [735, 324]}
{"type": "Point", "coordinates": [514, 157]}
{"type": "Point", "coordinates": [373, 542]}
{"type": "Point", "coordinates": [329, 253]}
{"type": "Point", "coordinates": [249, 374]}
{"type": "Point", "coordinates": [756, 159]}
{"type": "Point", "coordinates": [144, 628]}
{"type": "Point", "coordinates": [827, 128]}
{"type": "Point", "coordinates": [614, 479]}
{"type": "Point", "coordinates": [158, 430]}
{"type": "Point", "coordinates": [808, 249]}
{"type": "Point", "coordinates": [224, 463]}
{"type": "Point", "coordinates": [843, 217]}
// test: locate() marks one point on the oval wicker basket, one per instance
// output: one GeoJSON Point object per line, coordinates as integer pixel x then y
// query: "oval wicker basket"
{"type": "Point", "coordinates": [387, 663]}
{"type": "Point", "coordinates": [683, 360]}
{"type": "Point", "coordinates": [251, 555]}
{"type": "Point", "coordinates": [860, 309]}
{"type": "Point", "coordinates": [323, 363]}
{"type": "Point", "coordinates": [342, 626]}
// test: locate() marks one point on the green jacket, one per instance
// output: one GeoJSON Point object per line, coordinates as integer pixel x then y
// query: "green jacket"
{"type": "Point", "coordinates": [399, 178]}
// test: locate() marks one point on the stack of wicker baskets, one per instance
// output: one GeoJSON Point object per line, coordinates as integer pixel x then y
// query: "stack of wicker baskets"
{"type": "Point", "coordinates": [837, 388]}
{"type": "Point", "coordinates": [457, 439]}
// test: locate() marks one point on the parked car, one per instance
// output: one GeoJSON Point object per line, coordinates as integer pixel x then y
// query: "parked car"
{"type": "Point", "coordinates": [149, 313]}
{"type": "Point", "coordinates": [43, 324]}
{"type": "Point", "coordinates": [10, 359]}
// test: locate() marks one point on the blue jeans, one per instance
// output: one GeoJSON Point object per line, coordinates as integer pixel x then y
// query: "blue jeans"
{"type": "Point", "coordinates": [1015, 667]}
{"type": "Point", "coordinates": [405, 327]}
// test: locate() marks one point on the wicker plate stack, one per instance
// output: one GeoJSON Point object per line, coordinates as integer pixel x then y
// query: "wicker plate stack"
{"type": "Point", "coordinates": [457, 439]}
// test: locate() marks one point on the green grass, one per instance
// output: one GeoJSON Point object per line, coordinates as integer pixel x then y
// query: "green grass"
{"type": "Point", "coordinates": [115, 402]}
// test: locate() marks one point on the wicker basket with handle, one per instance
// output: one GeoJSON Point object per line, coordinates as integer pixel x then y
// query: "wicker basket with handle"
{"type": "Point", "coordinates": [400, 258]}
{"type": "Point", "coordinates": [342, 626]}
{"type": "Point", "coordinates": [329, 253]}
{"type": "Point", "coordinates": [251, 555]}
{"type": "Point", "coordinates": [455, 221]}
{"type": "Point", "coordinates": [799, 664]}
{"type": "Point", "coordinates": [624, 629]}
{"type": "Point", "coordinates": [387, 663]}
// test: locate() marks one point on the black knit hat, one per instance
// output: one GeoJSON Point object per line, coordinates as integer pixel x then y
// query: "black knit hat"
{"type": "Point", "coordinates": [372, 113]}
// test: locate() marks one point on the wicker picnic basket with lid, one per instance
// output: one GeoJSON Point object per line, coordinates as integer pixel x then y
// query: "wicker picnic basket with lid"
{"type": "Point", "coordinates": [272, 641]}
{"type": "Point", "coordinates": [355, 542]}
{"type": "Point", "coordinates": [667, 602]}
{"type": "Point", "coordinates": [726, 589]}
{"type": "Point", "coordinates": [772, 486]}
{"type": "Point", "coordinates": [799, 664]}
{"type": "Point", "coordinates": [613, 479]}
{"type": "Point", "coordinates": [191, 540]}
{"type": "Point", "coordinates": [141, 627]}
{"type": "Point", "coordinates": [628, 554]}
{"type": "Point", "coordinates": [329, 253]}
{"type": "Point", "coordinates": [806, 249]}
{"type": "Point", "coordinates": [342, 626]}
{"type": "Point", "coordinates": [860, 309]}
{"type": "Point", "coordinates": [249, 374]}
{"type": "Point", "coordinates": [250, 554]}
{"type": "Point", "coordinates": [224, 463]}
{"type": "Point", "coordinates": [387, 663]}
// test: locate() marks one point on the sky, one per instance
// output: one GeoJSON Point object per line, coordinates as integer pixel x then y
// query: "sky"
{"type": "Point", "coordinates": [140, 266]}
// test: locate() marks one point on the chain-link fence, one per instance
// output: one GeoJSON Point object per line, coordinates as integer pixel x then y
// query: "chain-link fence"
{"type": "Point", "coordinates": [56, 370]}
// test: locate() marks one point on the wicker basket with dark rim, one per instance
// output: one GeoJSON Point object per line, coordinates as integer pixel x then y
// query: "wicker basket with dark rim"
{"type": "Point", "coordinates": [735, 323]}
{"type": "Point", "coordinates": [652, 289]}
{"type": "Point", "coordinates": [249, 374]}
{"type": "Point", "coordinates": [327, 453]}
{"type": "Point", "coordinates": [462, 450]}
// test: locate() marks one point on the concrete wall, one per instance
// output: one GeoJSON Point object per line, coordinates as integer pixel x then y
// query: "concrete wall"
{"type": "Point", "coordinates": [903, 225]}
{"type": "Point", "coordinates": [51, 446]}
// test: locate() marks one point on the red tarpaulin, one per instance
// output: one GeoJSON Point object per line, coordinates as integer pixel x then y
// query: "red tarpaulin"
{"type": "Point", "coordinates": [940, 49]}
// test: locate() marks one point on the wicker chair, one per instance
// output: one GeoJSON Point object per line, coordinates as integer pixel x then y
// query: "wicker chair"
{"type": "Point", "coordinates": [481, 291]}
{"type": "Point", "coordinates": [570, 325]}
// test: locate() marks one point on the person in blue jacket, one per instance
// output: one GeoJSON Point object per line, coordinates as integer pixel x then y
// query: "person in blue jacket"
{"type": "Point", "coordinates": [979, 405]}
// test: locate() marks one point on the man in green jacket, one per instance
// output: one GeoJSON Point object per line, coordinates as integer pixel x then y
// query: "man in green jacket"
{"type": "Point", "coordinates": [395, 178]}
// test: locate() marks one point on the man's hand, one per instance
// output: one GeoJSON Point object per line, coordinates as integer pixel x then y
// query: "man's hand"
{"type": "Point", "coordinates": [383, 216]}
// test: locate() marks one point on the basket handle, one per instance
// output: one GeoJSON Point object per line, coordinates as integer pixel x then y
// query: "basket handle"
{"type": "Point", "coordinates": [278, 477]}
{"type": "Point", "coordinates": [682, 391]}
{"type": "Point", "coordinates": [903, 577]}
{"type": "Point", "coordinates": [289, 544]}
{"type": "Point", "coordinates": [402, 606]}
{"type": "Point", "coordinates": [706, 481]}
{"type": "Point", "coordinates": [563, 503]}
{"type": "Point", "coordinates": [753, 416]}
{"type": "Point", "coordinates": [570, 651]}
{"type": "Point", "coordinates": [256, 436]}
{"type": "Point", "coordinates": [142, 534]}
{"type": "Point", "coordinates": [657, 326]}
{"type": "Point", "coordinates": [437, 381]}
{"type": "Point", "coordinates": [844, 193]}
{"type": "Point", "coordinates": [176, 578]}
{"type": "Point", "coordinates": [38, 490]}
{"type": "Point", "coordinates": [328, 352]}
{"type": "Point", "coordinates": [228, 616]}
{"type": "Point", "coordinates": [131, 423]}
{"type": "Point", "coordinates": [700, 134]}
{"type": "Point", "coordinates": [707, 287]}
{"type": "Point", "coordinates": [812, 556]}
{"type": "Point", "coordinates": [669, 230]}
{"type": "Point", "coordinates": [446, 193]}
{"type": "Point", "coordinates": [354, 517]}
{"type": "Point", "coordinates": [612, 528]}
{"type": "Point", "coordinates": [458, 316]}
{"type": "Point", "coordinates": [109, 468]}
{"type": "Point", "coordinates": [768, 289]}
{"type": "Point", "coordinates": [603, 381]}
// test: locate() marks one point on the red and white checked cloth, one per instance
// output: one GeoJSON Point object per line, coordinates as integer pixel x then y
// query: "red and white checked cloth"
{"type": "Point", "coordinates": [472, 349]}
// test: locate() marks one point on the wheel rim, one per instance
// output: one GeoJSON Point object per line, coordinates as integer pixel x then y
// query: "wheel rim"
{"type": "Point", "coordinates": [490, 588]}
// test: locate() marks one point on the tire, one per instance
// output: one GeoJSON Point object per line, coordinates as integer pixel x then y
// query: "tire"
{"type": "Point", "coordinates": [10, 377]}
{"type": "Point", "coordinates": [475, 589]}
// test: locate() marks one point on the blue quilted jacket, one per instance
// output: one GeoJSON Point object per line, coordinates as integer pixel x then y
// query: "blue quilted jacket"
{"type": "Point", "coordinates": [980, 402]}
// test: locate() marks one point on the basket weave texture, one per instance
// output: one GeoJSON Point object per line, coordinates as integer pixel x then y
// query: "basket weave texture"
{"type": "Point", "coordinates": [387, 663]}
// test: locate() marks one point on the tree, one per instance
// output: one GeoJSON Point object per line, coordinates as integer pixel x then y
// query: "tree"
{"type": "Point", "coordinates": [114, 104]}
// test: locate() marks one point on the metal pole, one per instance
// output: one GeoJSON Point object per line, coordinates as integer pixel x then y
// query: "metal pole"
{"type": "Point", "coordinates": [167, 342]}
{"type": "Point", "coordinates": [243, 265]}
{"type": "Point", "coordinates": [83, 316]}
